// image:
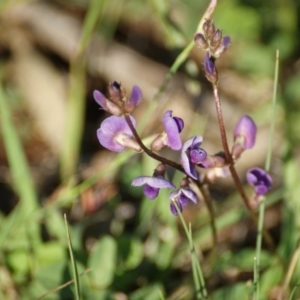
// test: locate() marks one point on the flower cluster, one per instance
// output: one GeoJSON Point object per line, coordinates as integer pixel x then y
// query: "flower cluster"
{"type": "Point", "coordinates": [215, 44]}
{"type": "Point", "coordinates": [118, 132]}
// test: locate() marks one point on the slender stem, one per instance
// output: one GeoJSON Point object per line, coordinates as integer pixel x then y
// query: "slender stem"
{"type": "Point", "coordinates": [232, 169]}
{"type": "Point", "coordinates": [258, 250]}
{"type": "Point", "coordinates": [180, 168]}
{"type": "Point", "coordinates": [228, 156]}
{"type": "Point", "coordinates": [291, 269]}
{"type": "Point", "coordinates": [211, 212]}
{"type": "Point", "coordinates": [150, 152]}
{"type": "Point", "coordinates": [267, 167]}
{"type": "Point", "coordinates": [198, 280]}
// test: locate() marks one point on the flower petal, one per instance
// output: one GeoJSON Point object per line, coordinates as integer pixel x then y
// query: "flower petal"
{"type": "Point", "coordinates": [100, 99]}
{"type": "Point", "coordinates": [150, 192]}
{"type": "Point", "coordinates": [260, 179]}
{"type": "Point", "coordinates": [245, 129]}
{"type": "Point", "coordinates": [171, 128]}
{"type": "Point", "coordinates": [185, 159]}
{"type": "Point", "coordinates": [174, 209]}
{"type": "Point", "coordinates": [156, 182]}
{"type": "Point", "coordinates": [191, 195]}
{"type": "Point", "coordinates": [136, 96]}
{"type": "Point", "coordinates": [109, 131]}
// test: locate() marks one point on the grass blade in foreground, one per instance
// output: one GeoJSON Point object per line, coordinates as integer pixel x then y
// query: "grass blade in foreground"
{"type": "Point", "coordinates": [74, 267]}
{"type": "Point", "coordinates": [262, 204]}
{"type": "Point", "coordinates": [20, 171]}
{"type": "Point", "coordinates": [76, 101]}
{"type": "Point", "coordinates": [201, 292]}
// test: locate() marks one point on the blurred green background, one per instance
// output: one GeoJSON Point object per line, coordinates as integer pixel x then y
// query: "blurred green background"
{"type": "Point", "coordinates": [53, 54]}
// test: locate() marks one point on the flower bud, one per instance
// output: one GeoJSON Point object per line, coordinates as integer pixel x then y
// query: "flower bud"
{"type": "Point", "coordinates": [116, 92]}
{"type": "Point", "coordinates": [216, 38]}
{"type": "Point", "coordinates": [245, 132]}
{"type": "Point", "coordinates": [209, 28]}
{"type": "Point", "coordinates": [106, 104]}
{"type": "Point", "coordinates": [200, 41]}
{"type": "Point", "coordinates": [222, 47]}
{"type": "Point", "coordinates": [210, 69]}
{"type": "Point", "coordinates": [134, 99]}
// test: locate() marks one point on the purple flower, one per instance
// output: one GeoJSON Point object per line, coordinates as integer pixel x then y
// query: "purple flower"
{"type": "Point", "coordinates": [115, 134]}
{"type": "Point", "coordinates": [191, 155]}
{"type": "Point", "coordinates": [200, 41]}
{"type": "Point", "coordinates": [216, 38]}
{"type": "Point", "coordinates": [210, 69]}
{"type": "Point", "coordinates": [116, 92]}
{"type": "Point", "coordinates": [171, 135]}
{"type": "Point", "coordinates": [182, 197]}
{"type": "Point", "coordinates": [260, 180]}
{"type": "Point", "coordinates": [245, 132]}
{"type": "Point", "coordinates": [152, 185]}
{"type": "Point", "coordinates": [209, 28]}
{"type": "Point", "coordinates": [106, 104]}
{"type": "Point", "coordinates": [173, 126]}
{"type": "Point", "coordinates": [222, 47]}
{"type": "Point", "coordinates": [134, 99]}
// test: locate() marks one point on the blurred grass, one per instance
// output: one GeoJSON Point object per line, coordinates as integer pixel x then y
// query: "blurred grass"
{"type": "Point", "coordinates": [76, 104]}
{"type": "Point", "coordinates": [147, 256]}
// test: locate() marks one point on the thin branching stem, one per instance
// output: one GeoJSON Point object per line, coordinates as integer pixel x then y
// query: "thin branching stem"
{"type": "Point", "coordinates": [179, 167]}
{"type": "Point", "coordinates": [228, 156]}
{"type": "Point", "coordinates": [210, 208]}
{"type": "Point", "coordinates": [232, 169]}
{"type": "Point", "coordinates": [150, 152]}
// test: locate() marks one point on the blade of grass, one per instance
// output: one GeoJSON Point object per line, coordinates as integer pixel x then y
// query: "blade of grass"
{"type": "Point", "coordinates": [201, 292]}
{"type": "Point", "coordinates": [62, 286]}
{"type": "Point", "coordinates": [290, 271]}
{"type": "Point", "coordinates": [267, 167]}
{"type": "Point", "coordinates": [181, 58]}
{"type": "Point", "coordinates": [21, 178]}
{"type": "Point", "coordinates": [74, 267]}
{"type": "Point", "coordinates": [76, 101]}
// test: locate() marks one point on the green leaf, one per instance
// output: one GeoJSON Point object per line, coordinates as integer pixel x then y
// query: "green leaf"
{"type": "Point", "coordinates": [103, 261]}
{"type": "Point", "coordinates": [237, 291]}
{"type": "Point", "coordinates": [132, 252]}
{"type": "Point", "coordinates": [50, 252]}
{"type": "Point", "coordinates": [149, 292]}
{"type": "Point", "coordinates": [270, 278]}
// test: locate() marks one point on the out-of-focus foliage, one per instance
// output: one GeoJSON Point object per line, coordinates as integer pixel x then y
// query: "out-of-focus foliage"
{"type": "Point", "coordinates": [125, 246]}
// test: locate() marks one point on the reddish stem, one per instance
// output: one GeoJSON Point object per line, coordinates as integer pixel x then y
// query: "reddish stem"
{"type": "Point", "coordinates": [228, 156]}
{"type": "Point", "coordinates": [150, 152]}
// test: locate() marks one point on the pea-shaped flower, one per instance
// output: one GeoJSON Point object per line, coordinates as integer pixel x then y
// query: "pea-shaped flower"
{"type": "Point", "coordinates": [115, 134]}
{"type": "Point", "coordinates": [152, 184]}
{"type": "Point", "coordinates": [210, 69]}
{"type": "Point", "coordinates": [182, 197]}
{"type": "Point", "coordinates": [244, 136]}
{"type": "Point", "coordinates": [260, 180]}
{"type": "Point", "coordinates": [171, 135]}
{"type": "Point", "coordinates": [192, 155]}
{"type": "Point", "coordinates": [107, 104]}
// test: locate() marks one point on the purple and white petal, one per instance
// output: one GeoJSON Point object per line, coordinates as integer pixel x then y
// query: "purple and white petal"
{"type": "Point", "coordinates": [185, 156]}
{"type": "Point", "coordinates": [150, 192]}
{"type": "Point", "coordinates": [100, 99]}
{"type": "Point", "coordinates": [110, 131]}
{"type": "Point", "coordinates": [174, 209]}
{"type": "Point", "coordinates": [156, 182]}
{"type": "Point", "coordinates": [245, 131]}
{"type": "Point", "coordinates": [260, 180]}
{"type": "Point", "coordinates": [136, 96]}
{"type": "Point", "coordinates": [191, 195]}
{"type": "Point", "coordinates": [173, 126]}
